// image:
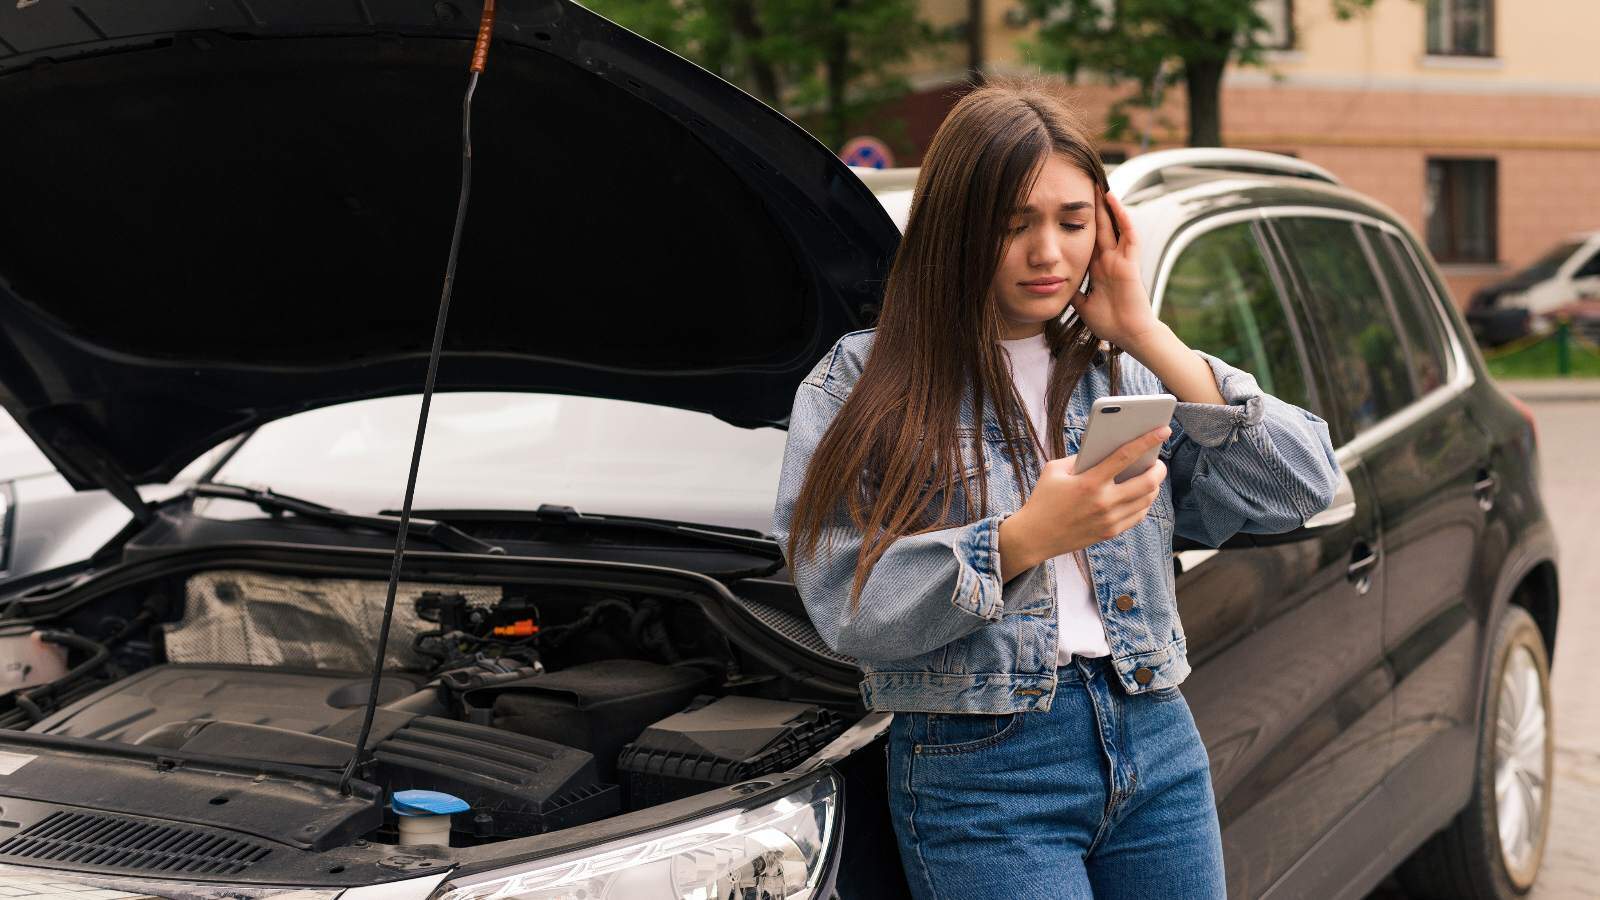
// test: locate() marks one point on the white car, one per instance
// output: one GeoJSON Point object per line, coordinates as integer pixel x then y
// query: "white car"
{"type": "Point", "coordinates": [1565, 274]}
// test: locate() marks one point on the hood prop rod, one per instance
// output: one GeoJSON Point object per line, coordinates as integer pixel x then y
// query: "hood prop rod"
{"type": "Point", "coordinates": [480, 58]}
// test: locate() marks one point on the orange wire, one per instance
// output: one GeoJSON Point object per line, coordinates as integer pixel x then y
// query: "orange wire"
{"type": "Point", "coordinates": [480, 51]}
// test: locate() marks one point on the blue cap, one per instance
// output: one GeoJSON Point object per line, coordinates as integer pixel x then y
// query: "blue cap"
{"type": "Point", "coordinates": [427, 803]}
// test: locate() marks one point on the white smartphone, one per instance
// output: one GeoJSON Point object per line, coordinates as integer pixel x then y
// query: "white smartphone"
{"type": "Point", "coordinates": [1114, 421]}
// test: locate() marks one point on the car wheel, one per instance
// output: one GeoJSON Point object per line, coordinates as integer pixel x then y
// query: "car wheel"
{"type": "Point", "coordinates": [1494, 847]}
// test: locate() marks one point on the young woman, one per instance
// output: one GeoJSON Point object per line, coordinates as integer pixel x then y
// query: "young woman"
{"type": "Point", "coordinates": [1017, 617]}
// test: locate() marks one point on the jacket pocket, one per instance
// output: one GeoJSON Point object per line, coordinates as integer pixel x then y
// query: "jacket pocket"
{"type": "Point", "coordinates": [973, 460]}
{"type": "Point", "coordinates": [974, 463]}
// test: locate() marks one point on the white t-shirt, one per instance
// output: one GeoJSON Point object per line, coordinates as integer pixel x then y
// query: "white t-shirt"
{"type": "Point", "coordinates": [1079, 616]}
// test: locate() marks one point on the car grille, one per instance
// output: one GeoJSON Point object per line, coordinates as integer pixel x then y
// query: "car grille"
{"type": "Point", "coordinates": [111, 842]}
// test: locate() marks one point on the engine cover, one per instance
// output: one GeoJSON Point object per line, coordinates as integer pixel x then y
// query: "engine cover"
{"type": "Point", "coordinates": [516, 784]}
{"type": "Point", "coordinates": [291, 699]}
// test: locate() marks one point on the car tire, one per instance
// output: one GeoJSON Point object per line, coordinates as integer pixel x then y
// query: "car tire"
{"type": "Point", "coordinates": [1469, 858]}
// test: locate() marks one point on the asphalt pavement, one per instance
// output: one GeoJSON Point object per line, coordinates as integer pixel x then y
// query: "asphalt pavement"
{"type": "Point", "coordinates": [1569, 448]}
{"type": "Point", "coordinates": [1567, 412]}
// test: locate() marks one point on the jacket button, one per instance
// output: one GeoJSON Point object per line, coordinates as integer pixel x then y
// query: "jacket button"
{"type": "Point", "coordinates": [1124, 603]}
{"type": "Point", "coordinates": [1143, 675]}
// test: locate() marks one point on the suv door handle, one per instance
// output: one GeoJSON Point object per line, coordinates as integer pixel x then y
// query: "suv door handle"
{"type": "Point", "coordinates": [1483, 489]}
{"type": "Point", "coordinates": [1363, 558]}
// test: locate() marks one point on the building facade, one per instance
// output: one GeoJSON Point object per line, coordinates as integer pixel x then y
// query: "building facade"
{"type": "Point", "coordinates": [1478, 121]}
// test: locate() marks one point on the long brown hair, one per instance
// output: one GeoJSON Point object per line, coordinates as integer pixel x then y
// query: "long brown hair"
{"type": "Point", "coordinates": [939, 331]}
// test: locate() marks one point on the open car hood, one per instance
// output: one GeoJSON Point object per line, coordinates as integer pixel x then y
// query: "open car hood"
{"type": "Point", "coordinates": [221, 213]}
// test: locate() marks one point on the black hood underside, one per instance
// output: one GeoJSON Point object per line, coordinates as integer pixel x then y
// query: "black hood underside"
{"type": "Point", "coordinates": [220, 214]}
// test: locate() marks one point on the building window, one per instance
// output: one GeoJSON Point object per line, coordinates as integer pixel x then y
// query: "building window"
{"type": "Point", "coordinates": [1462, 212]}
{"type": "Point", "coordinates": [1461, 27]}
{"type": "Point", "coordinates": [1279, 31]}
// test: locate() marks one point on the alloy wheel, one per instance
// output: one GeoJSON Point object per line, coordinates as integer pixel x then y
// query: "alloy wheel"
{"type": "Point", "coordinates": [1521, 733]}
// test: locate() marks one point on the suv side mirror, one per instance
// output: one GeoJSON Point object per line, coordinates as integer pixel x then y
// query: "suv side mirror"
{"type": "Point", "coordinates": [1340, 511]}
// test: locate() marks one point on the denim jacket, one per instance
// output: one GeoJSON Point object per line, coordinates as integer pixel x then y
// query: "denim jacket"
{"type": "Point", "coordinates": [936, 630]}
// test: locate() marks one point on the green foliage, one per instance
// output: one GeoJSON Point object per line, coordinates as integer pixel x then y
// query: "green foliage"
{"type": "Point", "coordinates": [824, 62]}
{"type": "Point", "coordinates": [1541, 359]}
{"type": "Point", "coordinates": [1153, 44]}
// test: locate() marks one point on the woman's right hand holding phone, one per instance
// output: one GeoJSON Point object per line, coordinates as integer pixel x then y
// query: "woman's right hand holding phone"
{"type": "Point", "coordinates": [1067, 512]}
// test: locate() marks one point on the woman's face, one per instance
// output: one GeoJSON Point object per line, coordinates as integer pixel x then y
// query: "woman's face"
{"type": "Point", "coordinates": [1051, 237]}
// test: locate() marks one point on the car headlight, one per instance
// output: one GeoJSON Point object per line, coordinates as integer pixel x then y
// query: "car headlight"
{"type": "Point", "coordinates": [777, 850]}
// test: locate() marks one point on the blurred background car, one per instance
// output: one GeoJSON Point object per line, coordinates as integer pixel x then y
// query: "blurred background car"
{"type": "Point", "coordinates": [46, 527]}
{"type": "Point", "coordinates": [1564, 280]}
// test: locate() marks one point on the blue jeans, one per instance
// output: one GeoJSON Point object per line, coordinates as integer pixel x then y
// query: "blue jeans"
{"type": "Point", "coordinates": [1106, 795]}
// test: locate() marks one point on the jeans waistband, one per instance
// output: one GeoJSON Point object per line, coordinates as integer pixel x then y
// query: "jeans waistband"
{"type": "Point", "coordinates": [1080, 668]}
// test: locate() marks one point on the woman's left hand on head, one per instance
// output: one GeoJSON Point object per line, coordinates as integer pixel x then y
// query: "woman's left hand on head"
{"type": "Point", "coordinates": [1116, 308]}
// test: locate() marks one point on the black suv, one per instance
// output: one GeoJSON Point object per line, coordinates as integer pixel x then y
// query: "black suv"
{"type": "Point", "coordinates": [1374, 688]}
{"type": "Point", "coordinates": [231, 214]}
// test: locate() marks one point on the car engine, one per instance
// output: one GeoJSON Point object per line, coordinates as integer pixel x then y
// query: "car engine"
{"type": "Point", "coordinates": [537, 709]}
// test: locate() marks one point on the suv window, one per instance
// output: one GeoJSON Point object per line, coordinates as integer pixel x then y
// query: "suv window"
{"type": "Point", "coordinates": [1220, 298]}
{"type": "Point", "coordinates": [1414, 309]}
{"type": "Point", "coordinates": [1368, 375]}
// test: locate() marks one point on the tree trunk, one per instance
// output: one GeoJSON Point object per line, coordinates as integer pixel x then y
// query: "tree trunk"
{"type": "Point", "coordinates": [742, 15]}
{"type": "Point", "coordinates": [838, 74]}
{"type": "Point", "coordinates": [1203, 78]}
{"type": "Point", "coordinates": [975, 41]}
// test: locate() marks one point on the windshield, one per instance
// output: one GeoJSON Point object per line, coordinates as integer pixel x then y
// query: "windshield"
{"type": "Point", "coordinates": [517, 451]}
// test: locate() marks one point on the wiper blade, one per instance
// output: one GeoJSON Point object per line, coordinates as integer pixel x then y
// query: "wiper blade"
{"type": "Point", "coordinates": [562, 515]}
{"type": "Point", "coordinates": [549, 513]}
{"type": "Point", "coordinates": [441, 533]}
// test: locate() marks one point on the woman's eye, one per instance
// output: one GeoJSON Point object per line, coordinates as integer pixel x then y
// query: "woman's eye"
{"type": "Point", "coordinates": [1070, 226]}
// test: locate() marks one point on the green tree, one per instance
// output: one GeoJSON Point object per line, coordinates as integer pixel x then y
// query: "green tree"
{"type": "Point", "coordinates": [827, 63]}
{"type": "Point", "coordinates": [1156, 44]}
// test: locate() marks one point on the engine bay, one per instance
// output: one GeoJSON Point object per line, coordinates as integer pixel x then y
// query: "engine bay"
{"type": "Point", "coordinates": [531, 708]}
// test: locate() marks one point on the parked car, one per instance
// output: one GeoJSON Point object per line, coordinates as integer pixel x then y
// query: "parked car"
{"type": "Point", "coordinates": [49, 530]}
{"type": "Point", "coordinates": [1564, 277]}
{"type": "Point", "coordinates": [236, 229]}
{"type": "Point", "coordinates": [45, 525]}
{"type": "Point", "coordinates": [1369, 696]}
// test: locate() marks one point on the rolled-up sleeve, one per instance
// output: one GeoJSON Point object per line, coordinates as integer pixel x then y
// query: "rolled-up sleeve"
{"type": "Point", "coordinates": [1253, 463]}
{"type": "Point", "coordinates": [926, 590]}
